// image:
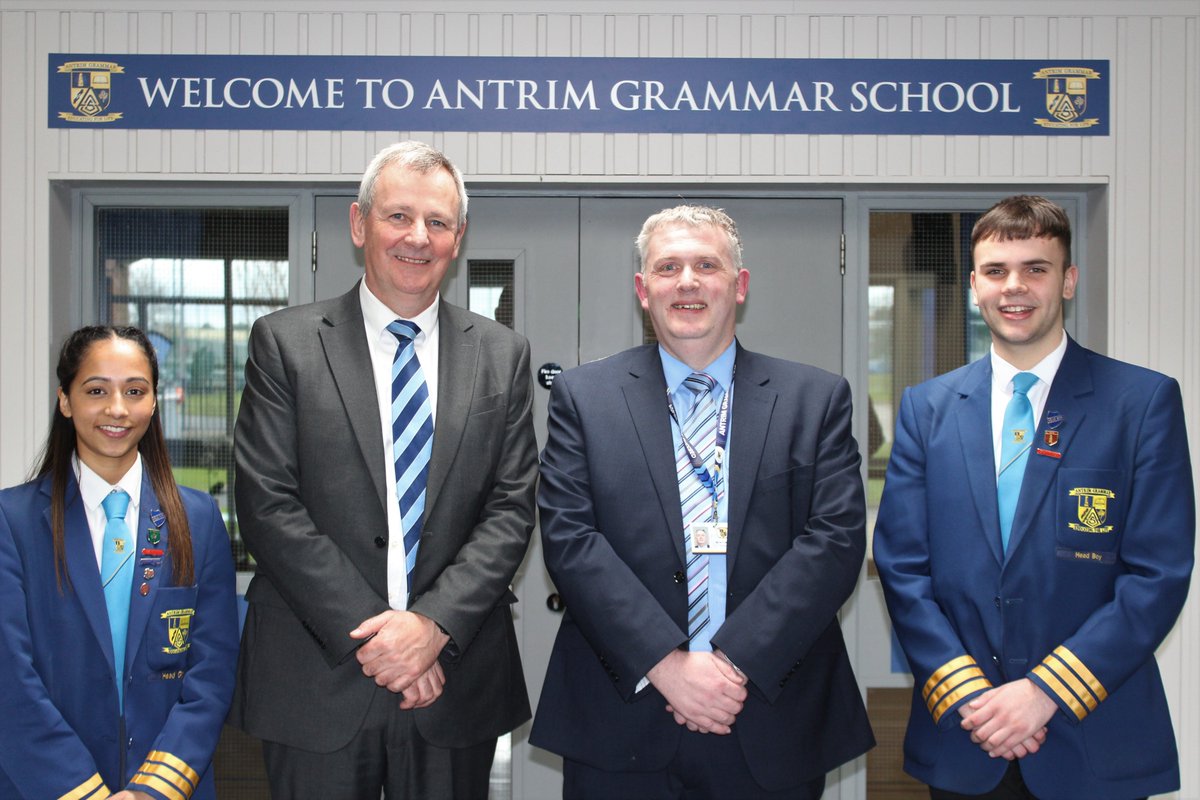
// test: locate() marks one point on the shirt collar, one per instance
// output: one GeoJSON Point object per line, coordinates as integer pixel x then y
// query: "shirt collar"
{"type": "Point", "coordinates": [93, 489]}
{"type": "Point", "coordinates": [378, 316]}
{"type": "Point", "coordinates": [1003, 372]}
{"type": "Point", "coordinates": [720, 370]}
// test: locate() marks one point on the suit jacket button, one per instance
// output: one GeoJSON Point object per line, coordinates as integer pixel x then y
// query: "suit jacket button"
{"type": "Point", "coordinates": [380, 541]}
{"type": "Point", "coordinates": [679, 577]}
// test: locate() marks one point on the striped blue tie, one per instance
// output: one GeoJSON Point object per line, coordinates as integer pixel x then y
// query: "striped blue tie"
{"type": "Point", "coordinates": [1016, 437]}
{"type": "Point", "coordinates": [116, 576]}
{"type": "Point", "coordinates": [700, 428]}
{"type": "Point", "coordinates": [412, 437]}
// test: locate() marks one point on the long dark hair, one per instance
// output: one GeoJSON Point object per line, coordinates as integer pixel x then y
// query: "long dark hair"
{"type": "Point", "coordinates": [60, 444]}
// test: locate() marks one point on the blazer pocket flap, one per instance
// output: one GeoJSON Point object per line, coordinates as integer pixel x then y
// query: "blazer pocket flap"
{"type": "Point", "coordinates": [487, 403]}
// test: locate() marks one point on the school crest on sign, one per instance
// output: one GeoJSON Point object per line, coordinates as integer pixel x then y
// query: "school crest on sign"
{"type": "Point", "coordinates": [91, 90]}
{"type": "Point", "coordinates": [1066, 97]}
{"type": "Point", "coordinates": [179, 628]}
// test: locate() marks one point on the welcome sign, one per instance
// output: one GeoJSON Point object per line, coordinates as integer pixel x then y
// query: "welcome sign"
{"type": "Point", "coordinates": [594, 95]}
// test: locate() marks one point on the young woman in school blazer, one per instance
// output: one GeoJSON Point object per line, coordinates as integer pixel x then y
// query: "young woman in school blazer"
{"type": "Point", "coordinates": [75, 721]}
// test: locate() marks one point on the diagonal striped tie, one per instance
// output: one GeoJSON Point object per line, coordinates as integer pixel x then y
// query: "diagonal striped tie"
{"type": "Point", "coordinates": [116, 576]}
{"type": "Point", "coordinates": [1016, 438]}
{"type": "Point", "coordinates": [696, 501]}
{"type": "Point", "coordinates": [412, 437]}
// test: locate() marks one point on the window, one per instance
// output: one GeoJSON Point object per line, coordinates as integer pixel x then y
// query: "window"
{"type": "Point", "coordinates": [195, 279]}
{"type": "Point", "coordinates": [921, 321]}
{"type": "Point", "coordinates": [490, 289]}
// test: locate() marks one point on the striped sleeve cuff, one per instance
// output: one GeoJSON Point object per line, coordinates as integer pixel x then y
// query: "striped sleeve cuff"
{"type": "Point", "coordinates": [1071, 684]}
{"type": "Point", "coordinates": [953, 682]}
{"type": "Point", "coordinates": [167, 775]}
{"type": "Point", "coordinates": [91, 789]}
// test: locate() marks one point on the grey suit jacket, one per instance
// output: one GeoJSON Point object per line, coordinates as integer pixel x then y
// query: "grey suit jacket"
{"type": "Point", "coordinates": [311, 506]}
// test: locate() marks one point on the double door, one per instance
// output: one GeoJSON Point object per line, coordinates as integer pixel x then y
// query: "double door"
{"type": "Point", "coordinates": [559, 270]}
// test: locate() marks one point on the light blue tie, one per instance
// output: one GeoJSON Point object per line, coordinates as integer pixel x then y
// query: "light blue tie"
{"type": "Point", "coordinates": [700, 428]}
{"type": "Point", "coordinates": [1016, 437]}
{"type": "Point", "coordinates": [116, 575]}
{"type": "Point", "coordinates": [412, 437]}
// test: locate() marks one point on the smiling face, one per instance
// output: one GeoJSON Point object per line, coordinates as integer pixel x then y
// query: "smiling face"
{"type": "Point", "coordinates": [409, 236]}
{"type": "Point", "coordinates": [1019, 286]}
{"type": "Point", "coordinates": [690, 287]}
{"type": "Point", "coordinates": [110, 402]}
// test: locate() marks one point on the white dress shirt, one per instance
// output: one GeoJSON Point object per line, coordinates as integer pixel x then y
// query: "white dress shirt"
{"type": "Point", "coordinates": [1002, 390]}
{"type": "Point", "coordinates": [92, 491]}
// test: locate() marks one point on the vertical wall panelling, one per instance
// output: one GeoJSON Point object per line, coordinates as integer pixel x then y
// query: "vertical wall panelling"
{"type": "Point", "coordinates": [1188, 639]}
{"type": "Point", "coordinates": [1145, 175]}
{"type": "Point", "coordinates": [22, 334]}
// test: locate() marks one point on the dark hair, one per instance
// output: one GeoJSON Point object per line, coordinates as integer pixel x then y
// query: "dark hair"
{"type": "Point", "coordinates": [60, 444]}
{"type": "Point", "coordinates": [1024, 216]}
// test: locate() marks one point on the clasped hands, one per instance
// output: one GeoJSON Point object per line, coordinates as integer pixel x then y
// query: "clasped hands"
{"type": "Point", "coordinates": [1010, 720]}
{"type": "Point", "coordinates": [402, 654]}
{"type": "Point", "coordinates": [704, 691]}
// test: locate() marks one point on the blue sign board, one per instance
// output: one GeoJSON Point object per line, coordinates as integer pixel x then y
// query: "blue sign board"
{"type": "Point", "coordinates": [595, 95]}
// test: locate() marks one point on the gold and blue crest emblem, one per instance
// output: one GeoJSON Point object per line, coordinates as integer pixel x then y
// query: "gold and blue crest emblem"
{"type": "Point", "coordinates": [91, 90]}
{"type": "Point", "coordinates": [179, 629]}
{"type": "Point", "coordinates": [1066, 97]}
{"type": "Point", "coordinates": [1091, 510]}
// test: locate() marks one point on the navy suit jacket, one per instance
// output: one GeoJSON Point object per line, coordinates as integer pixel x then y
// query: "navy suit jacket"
{"type": "Point", "coordinates": [61, 731]}
{"type": "Point", "coordinates": [612, 532]}
{"type": "Point", "coordinates": [1095, 574]}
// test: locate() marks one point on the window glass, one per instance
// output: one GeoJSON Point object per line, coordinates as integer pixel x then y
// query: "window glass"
{"type": "Point", "coordinates": [195, 279]}
{"type": "Point", "coordinates": [490, 289]}
{"type": "Point", "coordinates": [921, 321]}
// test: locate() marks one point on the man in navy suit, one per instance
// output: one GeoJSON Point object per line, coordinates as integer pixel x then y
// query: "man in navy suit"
{"type": "Point", "coordinates": [703, 558]}
{"type": "Point", "coordinates": [1030, 608]}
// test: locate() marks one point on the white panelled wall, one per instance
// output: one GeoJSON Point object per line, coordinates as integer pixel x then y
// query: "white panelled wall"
{"type": "Point", "coordinates": [1146, 225]}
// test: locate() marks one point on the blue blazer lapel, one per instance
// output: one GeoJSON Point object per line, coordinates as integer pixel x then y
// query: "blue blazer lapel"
{"type": "Point", "coordinates": [753, 404]}
{"type": "Point", "coordinates": [1072, 381]}
{"type": "Point", "coordinates": [975, 436]}
{"type": "Point", "coordinates": [82, 568]}
{"type": "Point", "coordinates": [349, 361]}
{"type": "Point", "coordinates": [646, 398]}
{"type": "Point", "coordinates": [139, 604]}
{"type": "Point", "coordinates": [458, 354]}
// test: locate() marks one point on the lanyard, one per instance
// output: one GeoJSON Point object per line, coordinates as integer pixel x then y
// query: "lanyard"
{"type": "Point", "coordinates": [712, 481]}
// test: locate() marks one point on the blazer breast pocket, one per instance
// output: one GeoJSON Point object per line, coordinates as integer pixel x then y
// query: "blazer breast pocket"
{"type": "Point", "coordinates": [168, 636]}
{"type": "Point", "coordinates": [1090, 514]}
{"type": "Point", "coordinates": [487, 404]}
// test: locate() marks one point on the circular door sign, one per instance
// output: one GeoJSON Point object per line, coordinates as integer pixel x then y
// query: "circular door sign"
{"type": "Point", "coordinates": [547, 373]}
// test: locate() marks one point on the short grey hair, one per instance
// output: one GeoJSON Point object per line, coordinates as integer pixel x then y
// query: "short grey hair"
{"type": "Point", "coordinates": [695, 217]}
{"type": "Point", "coordinates": [418, 157]}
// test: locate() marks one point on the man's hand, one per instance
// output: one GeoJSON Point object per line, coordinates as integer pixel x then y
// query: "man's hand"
{"type": "Point", "coordinates": [703, 690]}
{"type": "Point", "coordinates": [403, 647]}
{"type": "Point", "coordinates": [1009, 721]}
{"type": "Point", "coordinates": [127, 794]}
{"type": "Point", "coordinates": [425, 689]}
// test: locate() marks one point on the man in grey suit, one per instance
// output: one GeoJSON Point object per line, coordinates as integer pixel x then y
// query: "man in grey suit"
{"type": "Point", "coordinates": [379, 652]}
